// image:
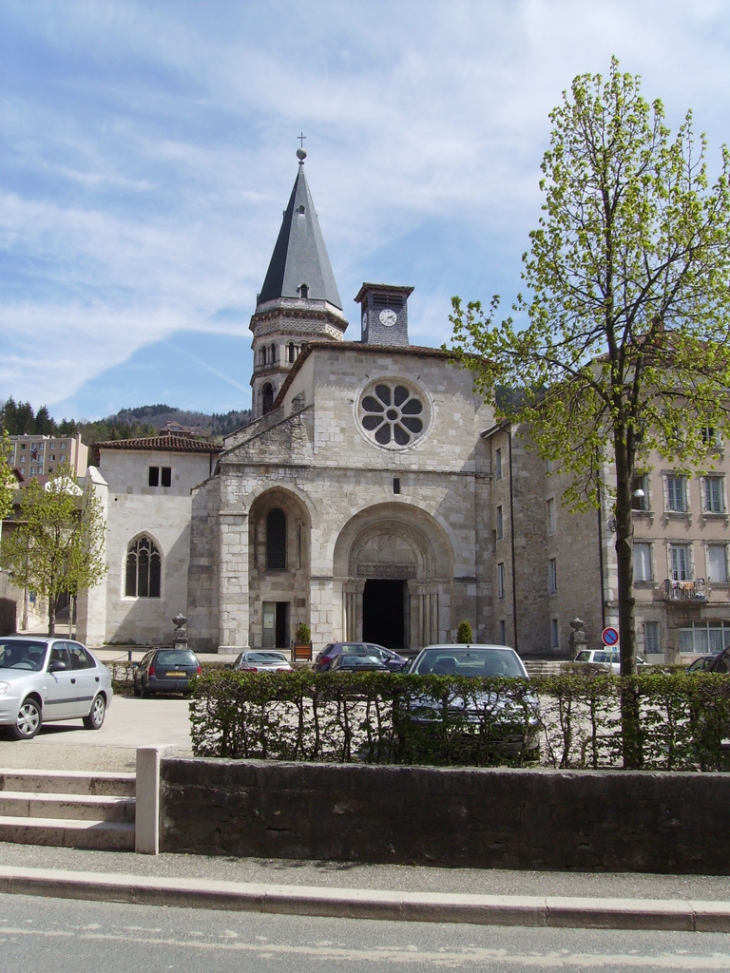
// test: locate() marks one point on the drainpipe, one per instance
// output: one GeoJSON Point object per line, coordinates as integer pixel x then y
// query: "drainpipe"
{"type": "Point", "coordinates": [512, 538]}
{"type": "Point", "coordinates": [600, 557]}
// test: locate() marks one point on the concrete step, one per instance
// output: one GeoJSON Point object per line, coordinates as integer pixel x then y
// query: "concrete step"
{"type": "Point", "coordinates": [98, 835]}
{"type": "Point", "coordinates": [83, 807]}
{"type": "Point", "coordinates": [64, 782]}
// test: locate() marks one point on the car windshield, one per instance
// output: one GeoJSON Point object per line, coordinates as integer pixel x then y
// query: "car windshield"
{"type": "Point", "coordinates": [469, 662]}
{"type": "Point", "coordinates": [264, 658]}
{"type": "Point", "coordinates": [176, 658]}
{"type": "Point", "coordinates": [17, 654]}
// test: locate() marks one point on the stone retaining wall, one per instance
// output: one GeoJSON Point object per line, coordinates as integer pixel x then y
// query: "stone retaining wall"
{"type": "Point", "coordinates": [484, 818]}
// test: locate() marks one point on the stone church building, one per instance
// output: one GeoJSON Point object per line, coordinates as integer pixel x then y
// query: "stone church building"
{"type": "Point", "coordinates": [373, 496]}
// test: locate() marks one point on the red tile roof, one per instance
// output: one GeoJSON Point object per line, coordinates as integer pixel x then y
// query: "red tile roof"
{"type": "Point", "coordinates": [168, 444]}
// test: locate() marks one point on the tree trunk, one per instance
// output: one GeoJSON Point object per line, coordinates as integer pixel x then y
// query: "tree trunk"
{"type": "Point", "coordinates": [630, 709]}
{"type": "Point", "coordinates": [51, 615]}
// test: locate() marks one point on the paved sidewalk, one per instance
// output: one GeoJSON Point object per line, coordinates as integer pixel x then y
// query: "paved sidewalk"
{"type": "Point", "coordinates": [354, 890]}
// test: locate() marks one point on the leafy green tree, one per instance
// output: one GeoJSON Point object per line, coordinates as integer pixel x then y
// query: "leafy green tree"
{"type": "Point", "coordinates": [57, 544]}
{"type": "Point", "coordinates": [6, 478]}
{"type": "Point", "coordinates": [628, 284]}
{"type": "Point", "coordinates": [464, 633]}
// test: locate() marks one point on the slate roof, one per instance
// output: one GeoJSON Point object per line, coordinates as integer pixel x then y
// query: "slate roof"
{"type": "Point", "coordinates": [300, 256]}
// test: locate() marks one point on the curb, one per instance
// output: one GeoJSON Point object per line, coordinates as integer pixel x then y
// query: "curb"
{"type": "Point", "coordinates": [505, 910]}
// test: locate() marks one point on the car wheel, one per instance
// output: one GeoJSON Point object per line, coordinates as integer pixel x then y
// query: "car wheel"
{"type": "Point", "coordinates": [145, 692]}
{"type": "Point", "coordinates": [95, 719]}
{"type": "Point", "coordinates": [29, 720]}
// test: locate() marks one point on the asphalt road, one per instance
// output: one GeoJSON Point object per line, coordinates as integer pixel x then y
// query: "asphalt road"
{"type": "Point", "coordinates": [61, 936]}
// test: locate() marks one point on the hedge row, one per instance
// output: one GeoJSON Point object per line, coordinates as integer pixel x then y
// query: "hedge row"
{"type": "Point", "coordinates": [680, 721]}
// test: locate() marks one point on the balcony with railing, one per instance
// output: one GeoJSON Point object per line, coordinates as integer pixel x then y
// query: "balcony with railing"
{"type": "Point", "coordinates": [684, 591]}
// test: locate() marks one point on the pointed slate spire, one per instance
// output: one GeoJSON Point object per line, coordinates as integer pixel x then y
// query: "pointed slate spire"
{"type": "Point", "coordinates": [300, 267]}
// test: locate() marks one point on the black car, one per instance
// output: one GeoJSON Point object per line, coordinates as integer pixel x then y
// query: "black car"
{"type": "Point", "coordinates": [390, 659]}
{"type": "Point", "coordinates": [357, 663]}
{"type": "Point", "coordinates": [165, 671]}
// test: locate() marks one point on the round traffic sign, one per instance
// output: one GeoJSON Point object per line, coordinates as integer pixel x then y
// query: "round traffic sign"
{"type": "Point", "coordinates": [609, 636]}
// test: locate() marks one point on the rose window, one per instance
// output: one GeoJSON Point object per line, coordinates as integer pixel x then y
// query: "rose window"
{"type": "Point", "coordinates": [392, 415]}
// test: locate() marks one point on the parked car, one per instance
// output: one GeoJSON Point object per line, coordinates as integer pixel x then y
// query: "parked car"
{"type": "Point", "coordinates": [165, 671]}
{"type": "Point", "coordinates": [604, 657]}
{"type": "Point", "coordinates": [352, 662]}
{"type": "Point", "coordinates": [262, 660]}
{"type": "Point", "coordinates": [46, 679]}
{"type": "Point", "coordinates": [391, 659]}
{"type": "Point", "coordinates": [702, 663]}
{"type": "Point", "coordinates": [514, 722]}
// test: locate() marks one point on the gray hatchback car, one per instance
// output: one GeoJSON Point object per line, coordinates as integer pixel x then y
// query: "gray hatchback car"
{"type": "Point", "coordinates": [45, 679]}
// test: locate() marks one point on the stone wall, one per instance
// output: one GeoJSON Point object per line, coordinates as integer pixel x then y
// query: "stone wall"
{"type": "Point", "coordinates": [454, 817]}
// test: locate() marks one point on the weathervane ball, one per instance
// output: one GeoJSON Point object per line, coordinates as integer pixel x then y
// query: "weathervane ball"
{"type": "Point", "coordinates": [301, 154]}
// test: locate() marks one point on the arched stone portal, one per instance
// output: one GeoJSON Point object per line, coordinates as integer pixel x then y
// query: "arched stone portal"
{"type": "Point", "coordinates": [393, 564]}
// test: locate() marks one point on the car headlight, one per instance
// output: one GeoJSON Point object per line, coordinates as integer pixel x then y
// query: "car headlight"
{"type": "Point", "coordinates": [4, 687]}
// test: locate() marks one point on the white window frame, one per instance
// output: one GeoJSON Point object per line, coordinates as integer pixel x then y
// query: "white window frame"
{"type": "Point", "coordinates": [649, 562]}
{"type": "Point", "coordinates": [655, 627]}
{"type": "Point", "coordinates": [676, 493]}
{"type": "Point", "coordinates": [675, 567]}
{"type": "Point", "coordinates": [713, 504]}
{"type": "Point", "coordinates": [723, 557]}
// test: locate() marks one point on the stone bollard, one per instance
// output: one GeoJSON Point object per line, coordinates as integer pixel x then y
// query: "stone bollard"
{"type": "Point", "coordinates": [180, 638]}
{"type": "Point", "coordinates": [147, 800]}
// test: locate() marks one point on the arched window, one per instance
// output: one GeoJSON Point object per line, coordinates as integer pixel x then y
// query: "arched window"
{"type": "Point", "coordinates": [276, 540]}
{"type": "Point", "coordinates": [262, 356]}
{"type": "Point", "coordinates": [272, 357]}
{"type": "Point", "coordinates": [304, 291]}
{"type": "Point", "coordinates": [267, 398]}
{"type": "Point", "coordinates": [291, 351]}
{"type": "Point", "coordinates": [144, 569]}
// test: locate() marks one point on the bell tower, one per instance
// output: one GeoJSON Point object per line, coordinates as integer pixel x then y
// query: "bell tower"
{"type": "Point", "coordinates": [384, 314]}
{"type": "Point", "coordinates": [299, 300]}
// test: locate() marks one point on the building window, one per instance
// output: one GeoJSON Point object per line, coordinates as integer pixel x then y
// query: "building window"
{"type": "Point", "coordinates": [155, 479]}
{"type": "Point", "coordinates": [276, 540]}
{"type": "Point", "coordinates": [710, 436]}
{"type": "Point", "coordinates": [498, 464]}
{"type": "Point", "coordinates": [552, 575]}
{"type": "Point", "coordinates": [551, 515]}
{"type": "Point", "coordinates": [500, 523]}
{"type": "Point", "coordinates": [717, 563]}
{"type": "Point", "coordinates": [291, 352]}
{"type": "Point", "coordinates": [677, 493]}
{"type": "Point", "coordinates": [502, 632]}
{"type": "Point", "coordinates": [500, 580]}
{"type": "Point", "coordinates": [62, 446]}
{"type": "Point", "coordinates": [392, 414]}
{"type": "Point", "coordinates": [642, 562]}
{"type": "Point", "coordinates": [144, 569]}
{"type": "Point", "coordinates": [262, 356]}
{"type": "Point", "coordinates": [652, 638]}
{"type": "Point", "coordinates": [714, 494]}
{"type": "Point", "coordinates": [640, 486]}
{"type": "Point", "coordinates": [704, 639]}
{"type": "Point", "coordinates": [680, 566]}
{"type": "Point", "coordinates": [554, 634]}
{"type": "Point", "coordinates": [303, 289]}
{"type": "Point", "coordinates": [267, 398]}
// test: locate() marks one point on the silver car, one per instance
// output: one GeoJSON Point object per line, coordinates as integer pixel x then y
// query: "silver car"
{"type": "Point", "coordinates": [45, 679]}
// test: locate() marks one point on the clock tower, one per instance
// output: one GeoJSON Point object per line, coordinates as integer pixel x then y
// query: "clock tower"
{"type": "Point", "coordinates": [384, 314]}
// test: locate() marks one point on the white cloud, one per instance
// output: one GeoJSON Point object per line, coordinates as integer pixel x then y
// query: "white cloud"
{"type": "Point", "coordinates": [148, 150]}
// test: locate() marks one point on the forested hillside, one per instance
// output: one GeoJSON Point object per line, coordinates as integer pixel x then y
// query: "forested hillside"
{"type": "Point", "coordinates": [19, 418]}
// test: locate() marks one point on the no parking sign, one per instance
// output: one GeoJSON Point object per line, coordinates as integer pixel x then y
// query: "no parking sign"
{"type": "Point", "coordinates": [609, 636]}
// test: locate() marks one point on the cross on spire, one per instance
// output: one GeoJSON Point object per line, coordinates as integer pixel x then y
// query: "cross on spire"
{"type": "Point", "coordinates": [301, 138]}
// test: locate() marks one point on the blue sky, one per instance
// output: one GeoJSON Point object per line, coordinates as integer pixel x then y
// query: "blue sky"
{"type": "Point", "coordinates": [147, 150]}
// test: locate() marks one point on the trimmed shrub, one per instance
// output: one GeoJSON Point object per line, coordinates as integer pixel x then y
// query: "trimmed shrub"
{"type": "Point", "coordinates": [446, 720]}
{"type": "Point", "coordinates": [464, 634]}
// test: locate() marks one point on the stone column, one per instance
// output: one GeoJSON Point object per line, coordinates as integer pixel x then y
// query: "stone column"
{"type": "Point", "coordinates": [352, 610]}
{"type": "Point", "coordinates": [233, 621]}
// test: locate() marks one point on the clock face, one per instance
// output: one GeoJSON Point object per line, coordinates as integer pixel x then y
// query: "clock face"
{"type": "Point", "coordinates": [388, 318]}
{"type": "Point", "coordinates": [364, 320]}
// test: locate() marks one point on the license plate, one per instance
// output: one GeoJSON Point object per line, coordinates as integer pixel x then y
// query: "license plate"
{"type": "Point", "coordinates": [176, 675]}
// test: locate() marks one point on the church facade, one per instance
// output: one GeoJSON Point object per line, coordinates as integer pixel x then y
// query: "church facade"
{"type": "Point", "coordinates": [374, 496]}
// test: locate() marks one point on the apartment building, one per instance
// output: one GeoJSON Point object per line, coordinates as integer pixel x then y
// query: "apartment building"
{"type": "Point", "coordinates": [41, 455]}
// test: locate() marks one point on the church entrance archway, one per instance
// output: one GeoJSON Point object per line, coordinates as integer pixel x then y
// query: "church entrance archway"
{"type": "Point", "coordinates": [393, 566]}
{"type": "Point", "coordinates": [384, 612]}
